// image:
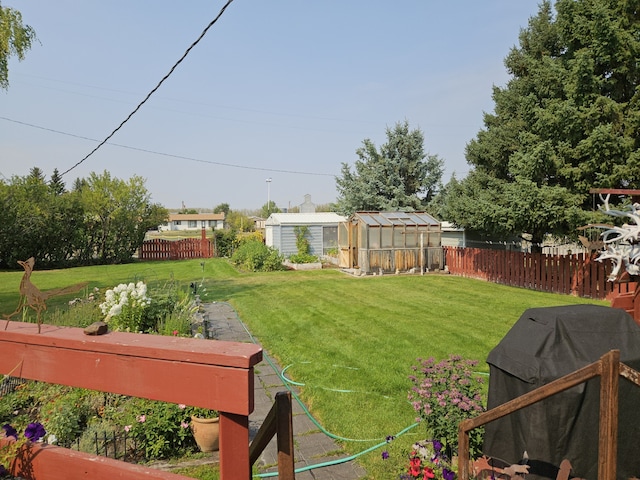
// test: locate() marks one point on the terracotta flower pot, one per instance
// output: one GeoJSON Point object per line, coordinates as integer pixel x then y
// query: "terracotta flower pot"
{"type": "Point", "coordinates": [206, 431]}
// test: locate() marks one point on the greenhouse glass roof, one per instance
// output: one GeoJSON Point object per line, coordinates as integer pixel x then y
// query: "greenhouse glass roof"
{"type": "Point", "coordinates": [396, 218]}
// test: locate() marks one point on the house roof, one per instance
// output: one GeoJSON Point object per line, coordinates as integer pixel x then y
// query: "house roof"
{"type": "Point", "coordinates": [317, 218]}
{"type": "Point", "coordinates": [396, 218]}
{"type": "Point", "coordinates": [196, 216]}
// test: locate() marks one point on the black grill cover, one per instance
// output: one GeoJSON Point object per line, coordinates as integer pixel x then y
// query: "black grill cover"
{"type": "Point", "coordinates": [546, 344]}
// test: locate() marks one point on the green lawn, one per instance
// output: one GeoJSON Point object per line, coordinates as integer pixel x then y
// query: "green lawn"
{"type": "Point", "coordinates": [350, 341]}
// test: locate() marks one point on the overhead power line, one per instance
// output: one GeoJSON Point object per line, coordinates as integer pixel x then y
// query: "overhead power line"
{"type": "Point", "coordinates": [181, 157]}
{"type": "Point", "coordinates": [184, 55]}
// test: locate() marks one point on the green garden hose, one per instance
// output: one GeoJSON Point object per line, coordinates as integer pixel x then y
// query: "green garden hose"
{"type": "Point", "coordinates": [287, 383]}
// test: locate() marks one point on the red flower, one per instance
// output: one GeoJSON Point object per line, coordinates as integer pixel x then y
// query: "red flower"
{"type": "Point", "coordinates": [414, 467]}
{"type": "Point", "coordinates": [428, 473]}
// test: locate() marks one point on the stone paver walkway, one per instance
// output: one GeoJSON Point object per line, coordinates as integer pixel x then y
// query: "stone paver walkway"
{"type": "Point", "coordinates": [315, 453]}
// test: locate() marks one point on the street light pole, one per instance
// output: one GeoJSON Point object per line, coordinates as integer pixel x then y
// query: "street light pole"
{"type": "Point", "coordinates": [269, 196]}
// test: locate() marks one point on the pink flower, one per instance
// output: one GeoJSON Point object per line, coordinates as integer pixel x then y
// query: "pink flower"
{"type": "Point", "coordinates": [127, 428]}
{"type": "Point", "coordinates": [142, 418]}
{"type": "Point", "coordinates": [175, 333]}
{"type": "Point", "coordinates": [182, 406]}
{"type": "Point", "coordinates": [184, 424]}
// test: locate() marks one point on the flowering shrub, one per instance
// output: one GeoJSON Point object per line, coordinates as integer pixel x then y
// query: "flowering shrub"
{"type": "Point", "coordinates": [428, 460]}
{"type": "Point", "coordinates": [124, 307]}
{"type": "Point", "coordinates": [444, 394]}
{"type": "Point", "coordinates": [33, 433]}
{"type": "Point", "coordinates": [162, 429]}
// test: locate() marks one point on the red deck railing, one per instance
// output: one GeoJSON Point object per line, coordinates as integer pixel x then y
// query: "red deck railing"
{"type": "Point", "coordinates": [211, 374]}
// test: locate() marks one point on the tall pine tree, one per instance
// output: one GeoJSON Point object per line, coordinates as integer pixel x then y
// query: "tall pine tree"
{"type": "Point", "coordinates": [567, 121]}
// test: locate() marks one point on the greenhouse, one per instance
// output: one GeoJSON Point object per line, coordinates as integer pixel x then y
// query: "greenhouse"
{"type": "Point", "coordinates": [390, 242]}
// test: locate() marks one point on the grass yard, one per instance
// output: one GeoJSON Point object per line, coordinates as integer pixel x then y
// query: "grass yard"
{"type": "Point", "coordinates": [349, 341]}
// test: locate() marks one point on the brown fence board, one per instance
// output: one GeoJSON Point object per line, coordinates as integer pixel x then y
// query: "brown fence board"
{"type": "Point", "coordinates": [576, 274]}
{"type": "Point", "coordinates": [161, 249]}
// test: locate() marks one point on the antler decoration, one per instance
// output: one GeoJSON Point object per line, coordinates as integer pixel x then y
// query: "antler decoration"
{"type": "Point", "coordinates": [622, 244]}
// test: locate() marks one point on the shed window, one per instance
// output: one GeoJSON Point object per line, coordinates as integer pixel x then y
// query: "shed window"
{"type": "Point", "coordinates": [387, 237]}
{"type": "Point", "coordinates": [363, 236]}
{"type": "Point", "coordinates": [374, 237]}
{"type": "Point", "coordinates": [398, 237]}
{"type": "Point", "coordinates": [329, 238]}
{"type": "Point", "coordinates": [411, 239]}
{"type": "Point", "coordinates": [193, 223]}
{"type": "Point", "coordinates": [344, 235]}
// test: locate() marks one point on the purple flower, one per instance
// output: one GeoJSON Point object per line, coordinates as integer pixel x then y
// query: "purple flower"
{"type": "Point", "coordinates": [3, 471]}
{"type": "Point", "coordinates": [437, 446]}
{"type": "Point", "coordinates": [448, 474]}
{"type": "Point", "coordinates": [9, 431]}
{"type": "Point", "coordinates": [34, 431]}
{"type": "Point", "coordinates": [385, 455]}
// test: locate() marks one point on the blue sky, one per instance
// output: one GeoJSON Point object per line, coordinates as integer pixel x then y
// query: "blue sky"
{"type": "Point", "coordinates": [280, 89]}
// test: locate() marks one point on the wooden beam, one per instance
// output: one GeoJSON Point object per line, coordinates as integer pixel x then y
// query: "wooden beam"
{"type": "Point", "coordinates": [203, 373]}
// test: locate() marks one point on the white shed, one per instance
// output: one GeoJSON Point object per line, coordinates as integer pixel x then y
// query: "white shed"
{"type": "Point", "coordinates": [322, 231]}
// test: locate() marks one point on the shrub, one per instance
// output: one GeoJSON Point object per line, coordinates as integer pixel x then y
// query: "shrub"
{"type": "Point", "coordinates": [444, 394]}
{"type": "Point", "coordinates": [124, 307]}
{"type": "Point", "coordinates": [303, 258]}
{"type": "Point", "coordinates": [257, 257]}
{"type": "Point", "coordinates": [225, 242]}
{"type": "Point", "coordinates": [302, 243]}
{"type": "Point", "coordinates": [161, 429]}
{"type": "Point", "coordinates": [66, 414]}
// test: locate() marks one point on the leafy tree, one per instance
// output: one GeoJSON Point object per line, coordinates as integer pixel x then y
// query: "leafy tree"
{"type": "Point", "coordinates": [118, 213]}
{"type": "Point", "coordinates": [15, 40]}
{"type": "Point", "coordinates": [239, 222]}
{"type": "Point", "coordinates": [567, 121]}
{"type": "Point", "coordinates": [222, 208]}
{"type": "Point", "coordinates": [269, 208]}
{"type": "Point", "coordinates": [399, 176]}
{"type": "Point", "coordinates": [37, 221]}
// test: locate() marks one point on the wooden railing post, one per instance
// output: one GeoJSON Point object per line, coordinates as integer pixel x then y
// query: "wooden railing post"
{"type": "Point", "coordinates": [279, 422]}
{"type": "Point", "coordinates": [286, 461]}
{"type": "Point", "coordinates": [608, 436]}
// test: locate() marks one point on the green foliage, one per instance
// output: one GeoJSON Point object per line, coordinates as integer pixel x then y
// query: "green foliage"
{"type": "Point", "coordinates": [222, 208]}
{"type": "Point", "coordinates": [302, 242]}
{"type": "Point", "coordinates": [400, 176]}
{"type": "Point", "coordinates": [269, 208]}
{"type": "Point", "coordinates": [201, 472]}
{"type": "Point", "coordinates": [303, 258]}
{"type": "Point", "coordinates": [255, 256]}
{"type": "Point", "coordinates": [444, 394]}
{"type": "Point", "coordinates": [225, 242]}
{"type": "Point", "coordinates": [15, 40]}
{"type": "Point", "coordinates": [239, 222]}
{"type": "Point", "coordinates": [566, 122]}
{"type": "Point", "coordinates": [66, 415]}
{"type": "Point", "coordinates": [102, 220]}
{"type": "Point", "coordinates": [161, 428]}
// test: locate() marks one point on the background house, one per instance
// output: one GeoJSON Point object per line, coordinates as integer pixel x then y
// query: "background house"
{"type": "Point", "coordinates": [322, 231]}
{"type": "Point", "coordinates": [193, 221]}
{"type": "Point", "coordinates": [390, 242]}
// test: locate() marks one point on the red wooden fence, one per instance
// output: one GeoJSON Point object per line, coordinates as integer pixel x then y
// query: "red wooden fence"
{"type": "Point", "coordinates": [577, 274]}
{"type": "Point", "coordinates": [161, 249]}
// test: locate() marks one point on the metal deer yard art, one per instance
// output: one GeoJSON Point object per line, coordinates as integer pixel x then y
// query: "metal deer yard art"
{"type": "Point", "coordinates": [32, 297]}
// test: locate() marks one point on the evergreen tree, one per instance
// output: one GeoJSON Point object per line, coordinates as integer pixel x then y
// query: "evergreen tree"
{"type": "Point", "coordinates": [399, 176]}
{"type": "Point", "coordinates": [567, 121]}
